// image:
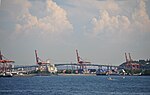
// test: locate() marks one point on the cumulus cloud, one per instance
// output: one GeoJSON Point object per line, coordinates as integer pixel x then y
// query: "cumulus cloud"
{"type": "Point", "coordinates": [140, 17]}
{"type": "Point", "coordinates": [106, 23]}
{"type": "Point", "coordinates": [121, 23]}
{"type": "Point", "coordinates": [9, 11]}
{"type": "Point", "coordinates": [55, 22]}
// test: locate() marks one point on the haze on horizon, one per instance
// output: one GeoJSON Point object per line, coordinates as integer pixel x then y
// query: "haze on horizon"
{"type": "Point", "coordinates": [102, 30]}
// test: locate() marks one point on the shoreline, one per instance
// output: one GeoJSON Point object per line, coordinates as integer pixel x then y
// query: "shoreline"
{"type": "Point", "coordinates": [76, 74]}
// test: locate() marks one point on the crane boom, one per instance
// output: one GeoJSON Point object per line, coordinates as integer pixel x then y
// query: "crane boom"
{"type": "Point", "coordinates": [126, 58]}
{"type": "Point", "coordinates": [36, 57]}
{"type": "Point", "coordinates": [130, 58]}
{"type": "Point", "coordinates": [81, 61]}
{"type": "Point", "coordinates": [78, 58]}
{"type": "Point", "coordinates": [5, 60]}
{"type": "Point", "coordinates": [0, 56]}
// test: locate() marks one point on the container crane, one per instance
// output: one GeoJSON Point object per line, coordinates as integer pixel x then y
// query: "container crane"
{"type": "Point", "coordinates": [45, 64]}
{"type": "Point", "coordinates": [38, 60]}
{"type": "Point", "coordinates": [80, 61]}
{"type": "Point", "coordinates": [5, 60]}
{"type": "Point", "coordinates": [6, 64]}
{"type": "Point", "coordinates": [128, 60]}
{"type": "Point", "coordinates": [130, 64]}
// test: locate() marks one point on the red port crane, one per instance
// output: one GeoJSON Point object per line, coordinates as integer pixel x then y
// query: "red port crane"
{"type": "Point", "coordinates": [81, 61]}
{"type": "Point", "coordinates": [38, 60]}
{"type": "Point", "coordinates": [128, 60]}
{"type": "Point", "coordinates": [6, 67]}
{"type": "Point", "coordinates": [130, 63]}
{"type": "Point", "coordinates": [5, 60]}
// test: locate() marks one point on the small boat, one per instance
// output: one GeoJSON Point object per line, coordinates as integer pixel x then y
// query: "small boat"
{"type": "Point", "coordinates": [109, 78]}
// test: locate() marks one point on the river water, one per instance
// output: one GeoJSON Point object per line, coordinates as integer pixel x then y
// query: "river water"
{"type": "Point", "coordinates": [75, 85]}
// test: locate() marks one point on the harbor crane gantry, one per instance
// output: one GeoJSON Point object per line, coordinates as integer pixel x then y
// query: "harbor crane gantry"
{"type": "Point", "coordinates": [130, 64]}
{"type": "Point", "coordinates": [45, 65]}
{"type": "Point", "coordinates": [40, 62]}
{"type": "Point", "coordinates": [80, 61]}
{"type": "Point", "coordinates": [6, 64]}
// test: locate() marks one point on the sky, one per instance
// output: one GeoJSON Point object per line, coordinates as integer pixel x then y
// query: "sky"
{"type": "Point", "coordinates": [101, 30]}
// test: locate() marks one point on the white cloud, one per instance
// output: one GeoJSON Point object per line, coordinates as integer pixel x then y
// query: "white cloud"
{"type": "Point", "coordinates": [140, 17]}
{"type": "Point", "coordinates": [107, 23]}
{"type": "Point", "coordinates": [55, 22]}
{"type": "Point", "coordinates": [40, 25]}
{"type": "Point", "coordinates": [121, 23]}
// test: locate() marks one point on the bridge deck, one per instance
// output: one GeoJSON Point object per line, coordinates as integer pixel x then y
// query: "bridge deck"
{"type": "Point", "coordinates": [66, 64]}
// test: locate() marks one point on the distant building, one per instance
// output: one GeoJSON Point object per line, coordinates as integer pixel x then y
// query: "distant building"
{"type": "Point", "coordinates": [145, 64]}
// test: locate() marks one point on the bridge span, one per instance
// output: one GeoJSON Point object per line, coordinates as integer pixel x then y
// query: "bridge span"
{"type": "Point", "coordinates": [98, 66]}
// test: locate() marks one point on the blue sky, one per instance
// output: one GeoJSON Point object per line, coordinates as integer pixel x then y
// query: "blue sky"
{"type": "Point", "coordinates": [102, 30]}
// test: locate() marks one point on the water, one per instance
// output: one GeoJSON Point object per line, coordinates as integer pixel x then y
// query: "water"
{"type": "Point", "coordinates": [75, 85]}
